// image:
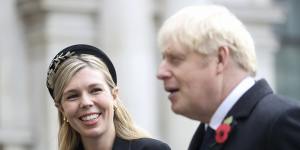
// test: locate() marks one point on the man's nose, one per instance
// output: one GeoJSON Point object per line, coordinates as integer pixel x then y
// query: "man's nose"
{"type": "Point", "coordinates": [163, 71]}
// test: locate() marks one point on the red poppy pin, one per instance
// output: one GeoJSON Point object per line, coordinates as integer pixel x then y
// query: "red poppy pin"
{"type": "Point", "coordinates": [223, 130]}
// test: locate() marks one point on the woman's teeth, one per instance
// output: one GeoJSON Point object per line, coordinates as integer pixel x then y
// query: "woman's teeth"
{"type": "Point", "coordinates": [90, 117]}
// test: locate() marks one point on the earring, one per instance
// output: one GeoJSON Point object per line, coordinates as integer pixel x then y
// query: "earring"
{"type": "Point", "coordinates": [115, 108]}
{"type": "Point", "coordinates": [65, 119]}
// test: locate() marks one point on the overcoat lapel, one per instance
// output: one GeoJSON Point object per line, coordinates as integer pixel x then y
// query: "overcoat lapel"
{"type": "Point", "coordinates": [244, 106]}
{"type": "Point", "coordinates": [248, 101]}
{"type": "Point", "coordinates": [197, 138]}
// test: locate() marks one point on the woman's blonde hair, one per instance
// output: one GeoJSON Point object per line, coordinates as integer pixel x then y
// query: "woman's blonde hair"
{"type": "Point", "coordinates": [69, 139]}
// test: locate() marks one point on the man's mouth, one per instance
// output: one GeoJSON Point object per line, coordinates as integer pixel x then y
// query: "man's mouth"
{"type": "Point", "coordinates": [172, 90]}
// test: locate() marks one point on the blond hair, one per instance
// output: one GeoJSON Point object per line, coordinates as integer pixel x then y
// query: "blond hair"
{"type": "Point", "coordinates": [69, 139]}
{"type": "Point", "coordinates": [205, 29]}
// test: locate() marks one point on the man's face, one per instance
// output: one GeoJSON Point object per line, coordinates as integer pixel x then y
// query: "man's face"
{"type": "Point", "coordinates": [191, 81]}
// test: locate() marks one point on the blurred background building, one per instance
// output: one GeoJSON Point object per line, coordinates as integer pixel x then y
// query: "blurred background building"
{"type": "Point", "coordinates": [33, 31]}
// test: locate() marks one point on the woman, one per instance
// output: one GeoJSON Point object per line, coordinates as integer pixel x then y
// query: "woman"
{"type": "Point", "coordinates": [82, 81]}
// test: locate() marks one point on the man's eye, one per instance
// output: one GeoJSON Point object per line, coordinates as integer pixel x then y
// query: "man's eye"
{"type": "Point", "coordinates": [175, 60]}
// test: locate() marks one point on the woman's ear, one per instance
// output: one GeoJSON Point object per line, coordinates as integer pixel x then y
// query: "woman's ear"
{"type": "Point", "coordinates": [59, 107]}
{"type": "Point", "coordinates": [115, 93]}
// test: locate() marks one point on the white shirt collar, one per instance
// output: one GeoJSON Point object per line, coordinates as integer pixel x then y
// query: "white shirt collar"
{"type": "Point", "coordinates": [229, 101]}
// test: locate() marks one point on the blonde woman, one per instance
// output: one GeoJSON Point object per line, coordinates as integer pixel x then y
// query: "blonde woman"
{"type": "Point", "coordinates": [83, 83]}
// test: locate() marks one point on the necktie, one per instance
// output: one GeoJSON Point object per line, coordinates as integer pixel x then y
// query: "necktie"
{"type": "Point", "coordinates": [208, 139]}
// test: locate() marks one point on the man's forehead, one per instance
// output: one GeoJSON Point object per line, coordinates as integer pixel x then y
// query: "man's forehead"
{"type": "Point", "coordinates": [175, 49]}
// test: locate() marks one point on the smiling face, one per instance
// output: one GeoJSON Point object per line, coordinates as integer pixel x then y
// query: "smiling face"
{"type": "Point", "coordinates": [87, 103]}
{"type": "Point", "coordinates": [191, 81]}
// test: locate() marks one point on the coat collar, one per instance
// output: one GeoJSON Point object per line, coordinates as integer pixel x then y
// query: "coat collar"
{"type": "Point", "coordinates": [121, 144]}
{"type": "Point", "coordinates": [244, 106]}
{"type": "Point", "coordinates": [241, 109]}
{"type": "Point", "coordinates": [247, 102]}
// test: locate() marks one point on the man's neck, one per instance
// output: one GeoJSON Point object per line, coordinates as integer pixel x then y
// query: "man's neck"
{"type": "Point", "coordinates": [230, 100]}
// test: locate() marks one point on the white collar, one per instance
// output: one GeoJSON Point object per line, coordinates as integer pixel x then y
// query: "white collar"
{"type": "Point", "coordinates": [229, 101]}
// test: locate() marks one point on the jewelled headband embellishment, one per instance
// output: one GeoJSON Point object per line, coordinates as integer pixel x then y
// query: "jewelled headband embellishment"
{"type": "Point", "coordinates": [58, 59]}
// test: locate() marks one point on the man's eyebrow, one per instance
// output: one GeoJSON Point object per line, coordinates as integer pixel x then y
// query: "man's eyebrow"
{"type": "Point", "coordinates": [166, 52]}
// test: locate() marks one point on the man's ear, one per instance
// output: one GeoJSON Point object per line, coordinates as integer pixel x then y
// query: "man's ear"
{"type": "Point", "coordinates": [223, 58]}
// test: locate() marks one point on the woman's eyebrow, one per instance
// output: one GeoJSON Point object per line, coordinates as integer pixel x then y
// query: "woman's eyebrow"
{"type": "Point", "coordinates": [96, 85]}
{"type": "Point", "coordinates": [69, 91]}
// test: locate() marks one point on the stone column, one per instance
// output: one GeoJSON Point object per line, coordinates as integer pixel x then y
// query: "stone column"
{"type": "Point", "coordinates": [260, 17]}
{"type": "Point", "coordinates": [51, 25]}
{"type": "Point", "coordinates": [288, 57]}
{"type": "Point", "coordinates": [178, 130]}
{"type": "Point", "coordinates": [127, 33]}
{"type": "Point", "coordinates": [14, 104]}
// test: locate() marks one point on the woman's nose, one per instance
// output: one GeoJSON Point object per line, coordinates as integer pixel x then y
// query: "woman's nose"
{"type": "Point", "coordinates": [86, 101]}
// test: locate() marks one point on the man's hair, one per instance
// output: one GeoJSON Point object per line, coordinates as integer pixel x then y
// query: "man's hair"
{"type": "Point", "coordinates": [205, 29]}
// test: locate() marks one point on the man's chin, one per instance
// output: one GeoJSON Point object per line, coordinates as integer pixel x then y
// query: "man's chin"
{"type": "Point", "coordinates": [176, 110]}
{"type": "Point", "coordinates": [181, 112]}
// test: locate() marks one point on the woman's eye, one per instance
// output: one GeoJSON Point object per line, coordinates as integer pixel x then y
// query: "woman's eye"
{"type": "Point", "coordinates": [96, 90]}
{"type": "Point", "coordinates": [71, 97]}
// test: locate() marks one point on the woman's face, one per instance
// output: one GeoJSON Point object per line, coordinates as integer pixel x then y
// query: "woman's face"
{"type": "Point", "coordinates": [87, 103]}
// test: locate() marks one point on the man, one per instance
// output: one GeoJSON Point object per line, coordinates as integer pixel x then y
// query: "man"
{"type": "Point", "coordinates": [208, 69]}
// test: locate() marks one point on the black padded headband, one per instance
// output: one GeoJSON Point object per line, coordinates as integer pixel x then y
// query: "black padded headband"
{"type": "Point", "coordinates": [77, 50]}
